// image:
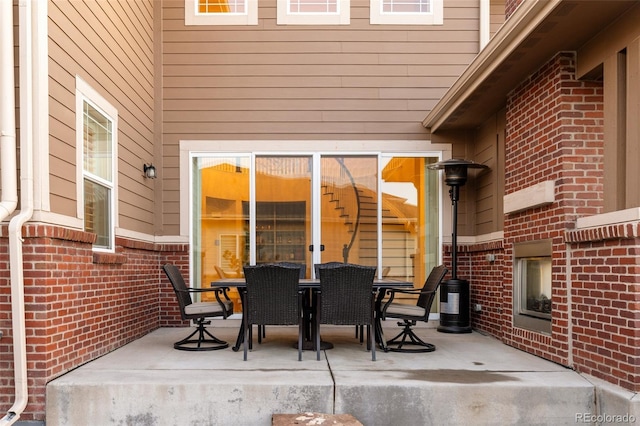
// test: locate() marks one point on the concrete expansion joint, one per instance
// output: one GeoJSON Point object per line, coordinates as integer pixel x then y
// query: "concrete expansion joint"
{"type": "Point", "coordinates": [333, 380]}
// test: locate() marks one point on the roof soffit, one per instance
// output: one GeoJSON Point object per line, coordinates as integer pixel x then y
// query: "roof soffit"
{"type": "Point", "coordinates": [530, 37]}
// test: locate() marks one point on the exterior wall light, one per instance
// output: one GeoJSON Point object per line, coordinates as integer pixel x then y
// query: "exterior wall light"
{"type": "Point", "coordinates": [454, 293]}
{"type": "Point", "coordinates": [150, 171]}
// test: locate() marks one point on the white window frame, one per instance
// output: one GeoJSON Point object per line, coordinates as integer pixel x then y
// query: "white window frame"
{"type": "Point", "coordinates": [342, 17]}
{"type": "Point", "coordinates": [85, 93]}
{"type": "Point", "coordinates": [193, 17]}
{"type": "Point", "coordinates": [435, 17]}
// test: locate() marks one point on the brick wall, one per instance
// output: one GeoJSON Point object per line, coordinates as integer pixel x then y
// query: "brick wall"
{"type": "Point", "coordinates": [510, 6]}
{"type": "Point", "coordinates": [605, 297]}
{"type": "Point", "coordinates": [79, 304]}
{"type": "Point", "coordinates": [554, 132]}
{"type": "Point", "coordinates": [486, 283]}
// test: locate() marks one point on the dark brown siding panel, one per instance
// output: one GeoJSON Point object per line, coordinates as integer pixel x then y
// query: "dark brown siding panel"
{"type": "Point", "coordinates": [110, 46]}
{"type": "Point", "coordinates": [484, 183]}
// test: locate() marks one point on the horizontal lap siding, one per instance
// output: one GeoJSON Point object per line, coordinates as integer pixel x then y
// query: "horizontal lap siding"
{"type": "Point", "coordinates": [496, 11]}
{"type": "Point", "coordinates": [300, 82]}
{"type": "Point", "coordinates": [110, 46]}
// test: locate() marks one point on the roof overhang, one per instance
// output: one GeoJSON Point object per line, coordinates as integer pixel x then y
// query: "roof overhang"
{"type": "Point", "coordinates": [532, 35]}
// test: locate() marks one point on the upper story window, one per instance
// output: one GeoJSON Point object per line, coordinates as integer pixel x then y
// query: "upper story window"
{"type": "Point", "coordinates": [407, 12]}
{"type": "Point", "coordinates": [96, 130]}
{"type": "Point", "coordinates": [313, 12]}
{"type": "Point", "coordinates": [221, 12]}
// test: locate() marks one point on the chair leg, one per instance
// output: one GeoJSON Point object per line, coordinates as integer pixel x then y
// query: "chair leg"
{"type": "Point", "coordinates": [247, 336]}
{"type": "Point", "coordinates": [317, 336]}
{"type": "Point", "coordinates": [262, 333]}
{"type": "Point", "coordinates": [371, 338]}
{"type": "Point", "coordinates": [300, 332]}
{"type": "Point", "coordinates": [409, 338]}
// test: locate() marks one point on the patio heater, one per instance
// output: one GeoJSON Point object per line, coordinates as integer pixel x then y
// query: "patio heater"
{"type": "Point", "coordinates": [454, 293]}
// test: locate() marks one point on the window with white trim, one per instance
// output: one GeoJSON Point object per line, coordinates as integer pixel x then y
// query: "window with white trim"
{"type": "Point", "coordinates": [407, 12]}
{"type": "Point", "coordinates": [96, 139]}
{"type": "Point", "coordinates": [221, 12]}
{"type": "Point", "coordinates": [313, 12]}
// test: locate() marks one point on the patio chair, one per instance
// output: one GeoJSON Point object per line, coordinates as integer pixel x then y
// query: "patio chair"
{"type": "Point", "coordinates": [317, 268]}
{"type": "Point", "coordinates": [199, 312]}
{"type": "Point", "coordinates": [346, 297]}
{"type": "Point", "coordinates": [411, 314]}
{"type": "Point", "coordinates": [272, 297]}
{"type": "Point", "coordinates": [262, 332]}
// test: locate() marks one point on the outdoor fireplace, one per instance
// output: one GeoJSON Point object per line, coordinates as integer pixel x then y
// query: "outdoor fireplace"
{"type": "Point", "coordinates": [533, 285]}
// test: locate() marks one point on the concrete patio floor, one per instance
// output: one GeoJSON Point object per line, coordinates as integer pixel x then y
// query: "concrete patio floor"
{"type": "Point", "coordinates": [470, 379]}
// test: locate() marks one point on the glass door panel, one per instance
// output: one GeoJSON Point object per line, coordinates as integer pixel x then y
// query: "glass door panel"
{"type": "Point", "coordinates": [349, 209]}
{"type": "Point", "coordinates": [409, 218]}
{"type": "Point", "coordinates": [283, 209]}
{"type": "Point", "coordinates": [219, 236]}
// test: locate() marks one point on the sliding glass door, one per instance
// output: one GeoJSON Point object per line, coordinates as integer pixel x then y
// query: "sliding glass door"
{"type": "Point", "coordinates": [371, 209]}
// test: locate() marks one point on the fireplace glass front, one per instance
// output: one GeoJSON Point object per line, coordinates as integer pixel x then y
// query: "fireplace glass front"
{"type": "Point", "coordinates": [534, 274]}
{"type": "Point", "coordinates": [533, 285]}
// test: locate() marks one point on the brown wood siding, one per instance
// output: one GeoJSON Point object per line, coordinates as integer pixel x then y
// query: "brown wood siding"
{"type": "Point", "coordinates": [301, 82]}
{"type": "Point", "coordinates": [110, 46]}
{"type": "Point", "coordinates": [497, 15]}
{"type": "Point", "coordinates": [614, 60]}
{"type": "Point", "coordinates": [486, 152]}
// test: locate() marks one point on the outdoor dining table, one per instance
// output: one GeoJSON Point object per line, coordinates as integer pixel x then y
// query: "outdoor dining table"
{"type": "Point", "coordinates": [381, 286]}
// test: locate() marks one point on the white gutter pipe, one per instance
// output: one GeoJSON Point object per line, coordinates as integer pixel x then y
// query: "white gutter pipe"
{"type": "Point", "coordinates": [26, 174]}
{"type": "Point", "coordinates": [485, 22]}
{"type": "Point", "coordinates": [9, 199]}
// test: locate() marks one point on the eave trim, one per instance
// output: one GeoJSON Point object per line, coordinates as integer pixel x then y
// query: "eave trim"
{"type": "Point", "coordinates": [514, 31]}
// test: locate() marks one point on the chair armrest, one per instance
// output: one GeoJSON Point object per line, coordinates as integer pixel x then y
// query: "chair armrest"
{"type": "Point", "coordinates": [223, 291]}
{"type": "Point", "coordinates": [218, 291]}
{"type": "Point", "coordinates": [392, 293]}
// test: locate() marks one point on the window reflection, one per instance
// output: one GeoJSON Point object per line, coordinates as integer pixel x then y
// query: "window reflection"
{"type": "Point", "coordinates": [373, 210]}
{"type": "Point", "coordinates": [221, 184]}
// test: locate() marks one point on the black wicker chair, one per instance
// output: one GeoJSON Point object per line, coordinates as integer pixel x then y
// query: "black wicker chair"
{"type": "Point", "coordinates": [272, 297]}
{"type": "Point", "coordinates": [346, 297]}
{"type": "Point", "coordinates": [199, 312]}
{"type": "Point", "coordinates": [317, 267]}
{"type": "Point", "coordinates": [303, 272]}
{"type": "Point", "coordinates": [410, 314]}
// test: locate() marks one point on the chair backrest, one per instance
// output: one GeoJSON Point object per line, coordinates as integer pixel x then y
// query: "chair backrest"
{"type": "Point", "coordinates": [272, 295]}
{"type": "Point", "coordinates": [430, 286]}
{"type": "Point", "coordinates": [319, 266]}
{"type": "Point", "coordinates": [346, 294]}
{"type": "Point", "coordinates": [179, 286]}
{"type": "Point", "coordinates": [301, 266]}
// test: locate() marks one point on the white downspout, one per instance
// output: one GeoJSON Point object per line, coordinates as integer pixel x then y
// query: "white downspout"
{"type": "Point", "coordinates": [9, 199]}
{"type": "Point", "coordinates": [485, 22]}
{"type": "Point", "coordinates": [26, 198]}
